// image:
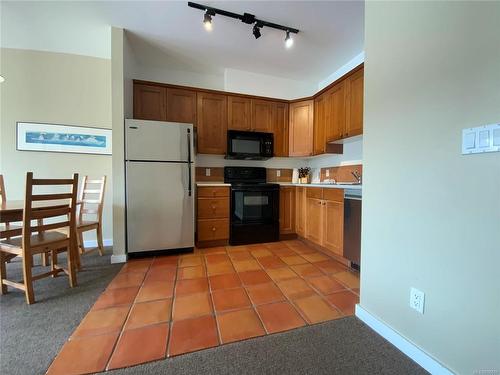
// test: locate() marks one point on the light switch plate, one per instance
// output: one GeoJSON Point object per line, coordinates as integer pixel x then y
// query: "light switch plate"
{"type": "Point", "coordinates": [207, 172]}
{"type": "Point", "coordinates": [278, 173]}
{"type": "Point", "coordinates": [481, 139]}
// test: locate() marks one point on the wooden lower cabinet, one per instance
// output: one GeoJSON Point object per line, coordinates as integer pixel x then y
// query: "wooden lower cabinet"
{"type": "Point", "coordinates": [300, 211]}
{"type": "Point", "coordinates": [287, 210]}
{"type": "Point", "coordinates": [314, 226]}
{"type": "Point", "coordinates": [212, 216]}
{"type": "Point", "coordinates": [212, 230]}
{"type": "Point", "coordinates": [325, 218]}
{"type": "Point", "coordinates": [215, 208]}
{"type": "Point", "coordinates": [333, 229]}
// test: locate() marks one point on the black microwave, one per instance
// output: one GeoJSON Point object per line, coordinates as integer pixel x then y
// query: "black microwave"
{"type": "Point", "coordinates": [249, 145]}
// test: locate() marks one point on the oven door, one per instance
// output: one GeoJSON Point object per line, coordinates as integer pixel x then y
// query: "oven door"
{"type": "Point", "coordinates": [254, 205]}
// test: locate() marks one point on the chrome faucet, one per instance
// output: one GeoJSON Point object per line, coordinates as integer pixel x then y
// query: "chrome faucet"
{"type": "Point", "coordinates": [357, 176]}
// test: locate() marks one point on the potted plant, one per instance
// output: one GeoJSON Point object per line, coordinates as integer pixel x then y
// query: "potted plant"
{"type": "Point", "coordinates": [304, 175]}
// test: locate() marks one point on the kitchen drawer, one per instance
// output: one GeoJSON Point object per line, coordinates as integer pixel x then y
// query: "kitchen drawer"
{"type": "Point", "coordinates": [213, 191]}
{"type": "Point", "coordinates": [210, 208]}
{"type": "Point", "coordinates": [210, 230]}
{"type": "Point", "coordinates": [314, 193]}
{"type": "Point", "coordinates": [336, 195]}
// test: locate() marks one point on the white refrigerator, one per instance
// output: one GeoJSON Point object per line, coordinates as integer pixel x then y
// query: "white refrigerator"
{"type": "Point", "coordinates": [159, 168]}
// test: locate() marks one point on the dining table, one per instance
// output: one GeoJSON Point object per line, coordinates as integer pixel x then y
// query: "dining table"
{"type": "Point", "coordinates": [11, 211]}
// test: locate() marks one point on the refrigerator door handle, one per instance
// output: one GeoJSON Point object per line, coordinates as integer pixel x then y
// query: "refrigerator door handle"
{"type": "Point", "coordinates": [189, 161]}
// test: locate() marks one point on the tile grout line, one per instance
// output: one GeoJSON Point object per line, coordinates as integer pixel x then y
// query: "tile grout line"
{"type": "Point", "coordinates": [217, 328]}
{"type": "Point", "coordinates": [174, 297]}
{"type": "Point", "coordinates": [126, 319]}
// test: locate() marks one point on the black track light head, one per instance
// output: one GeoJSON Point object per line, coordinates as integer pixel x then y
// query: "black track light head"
{"type": "Point", "coordinates": [288, 40]}
{"type": "Point", "coordinates": [207, 20]}
{"type": "Point", "coordinates": [256, 31]}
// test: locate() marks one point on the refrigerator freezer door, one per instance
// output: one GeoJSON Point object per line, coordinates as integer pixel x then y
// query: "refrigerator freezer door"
{"type": "Point", "coordinates": [160, 212]}
{"type": "Point", "coordinates": [157, 141]}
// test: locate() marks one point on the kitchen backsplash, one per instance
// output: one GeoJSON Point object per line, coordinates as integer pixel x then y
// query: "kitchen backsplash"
{"type": "Point", "coordinates": [340, 173]}
{"type": "Point", "coordinates": [216, 174]}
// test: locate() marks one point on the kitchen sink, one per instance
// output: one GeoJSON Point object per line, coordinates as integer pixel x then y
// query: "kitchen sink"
{"type": "Point", "coordinates": [341, 183]}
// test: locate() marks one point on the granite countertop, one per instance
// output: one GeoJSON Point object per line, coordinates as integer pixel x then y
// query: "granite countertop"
{"type": "Point", "coordinates": [211, 183]}
{"type": "Point", "coordinates": [327, 186]}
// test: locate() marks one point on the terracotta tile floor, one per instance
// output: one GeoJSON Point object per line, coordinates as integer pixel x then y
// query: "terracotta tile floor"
{"type": "Point", "coordinates": [169, 305]}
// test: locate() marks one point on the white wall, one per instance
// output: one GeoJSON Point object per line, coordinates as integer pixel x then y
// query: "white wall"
{"type": "Point", "coordinates": [178, 77]}
{"type": "Point", "coordinates": [431, 216]}
{"type": "Point", "coordinates": [344, 69]}
{"type": "Point", "coordinates": [204, 160]}
{"type": "Point", "coordinates": [353, 154]}
{"type": "Point", "coordinates": [244, 82]}
{"type": "Point", "coordinates": [58, 88]}
{"type": "Point", "coordinates": [118, 117]}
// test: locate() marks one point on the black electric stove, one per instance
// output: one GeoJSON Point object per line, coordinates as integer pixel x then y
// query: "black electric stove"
{"type": "Point", "coordinates": [254, 206]}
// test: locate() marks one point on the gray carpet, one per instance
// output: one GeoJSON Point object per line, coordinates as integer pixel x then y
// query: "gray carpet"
{"type": "Point", "coordinates": [31, 336]}
{"type": "Point", "coordinates": [344, 346]}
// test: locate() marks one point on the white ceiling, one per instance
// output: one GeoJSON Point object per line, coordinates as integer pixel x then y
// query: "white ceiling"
{"type": "Point", "coordinates": [331, 33]}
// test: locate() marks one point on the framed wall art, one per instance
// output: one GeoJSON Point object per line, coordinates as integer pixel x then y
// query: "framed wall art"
{"type": "Point", "coordinates": [63, 138]}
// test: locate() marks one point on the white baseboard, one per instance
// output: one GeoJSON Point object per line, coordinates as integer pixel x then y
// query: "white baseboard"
{"type": "Point", "coordinates": [93, 243]}
{"type": "Point", "coordinates": [407, 347]}
{"type": "Point", "coordinates": [122, 258]}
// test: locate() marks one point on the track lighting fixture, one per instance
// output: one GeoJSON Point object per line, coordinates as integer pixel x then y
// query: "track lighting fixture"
{"type": "Point", "coordinates": [256, 31]}
{"type": "Point", "coordinates": [288, 40]}
{"type": "Point", "coordinates": [245, 18]}
{"type": "Point", "coordinates": [207, 20]}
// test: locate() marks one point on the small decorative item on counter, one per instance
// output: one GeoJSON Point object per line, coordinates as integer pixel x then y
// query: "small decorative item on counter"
{"type": "Point", "coordinates": [304, 175]}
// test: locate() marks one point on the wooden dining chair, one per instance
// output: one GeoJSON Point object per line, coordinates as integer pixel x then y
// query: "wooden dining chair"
{"type": "Point", "coordinates": [91, 202]}
{"type": "Point", "coordinates": [60, 208]}
{"type": "Point", "coordinates": [7, 228]}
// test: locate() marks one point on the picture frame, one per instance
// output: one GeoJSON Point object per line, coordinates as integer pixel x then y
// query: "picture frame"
{"type": "Point", "coordinates": [32, 136]}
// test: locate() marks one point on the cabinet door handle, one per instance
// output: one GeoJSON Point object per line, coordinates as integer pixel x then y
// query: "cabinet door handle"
{"type": "Point", "coordinates": [214, 229]}
{"type": "Point", "coordinates": [214, 207]}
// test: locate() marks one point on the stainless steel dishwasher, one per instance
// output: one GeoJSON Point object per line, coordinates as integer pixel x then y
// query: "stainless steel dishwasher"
{"type": "Point", "coordinates": [352, 226]}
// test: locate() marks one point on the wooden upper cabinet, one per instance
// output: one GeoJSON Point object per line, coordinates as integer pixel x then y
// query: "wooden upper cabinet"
{"type": "Point", "coordinates": [281, 129]}
{"type": "Point", "coordinates": [301, 128]}
{"type": "Point", "coordinates": [336, 103]}
{"type": "Point", "coordinates": [354, 107]}
{"type": "Point", "coordinates": [212, 123]}
{"type": "Point", "coordinates": [287, 210]}
{"type": "Point", "coordinates": [262, 116]}
{"type": "Point", "coordinates": [150, 102]}
{"type": "Point", "coordinates": [320, 118]}
{"type": "Point", "coordinates": [238, 113]}
{"type": "Point", "coordinates": [181, 106]}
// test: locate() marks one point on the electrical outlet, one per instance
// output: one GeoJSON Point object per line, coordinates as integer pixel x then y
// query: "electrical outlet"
{"type": "Point", "coordinates": [417, 300]}
{"type": "Point", "coordinates": [207, 172]}
{"type": "Point", "coordinates": [278, 173]}
{"type": "Point", "coordinates": [327, 173]}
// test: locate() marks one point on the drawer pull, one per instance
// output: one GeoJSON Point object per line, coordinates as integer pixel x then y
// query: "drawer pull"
{"type": "Point", "coordinates": [214, 229]}
{"type": "Point", "coordinates": [214, 207]}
